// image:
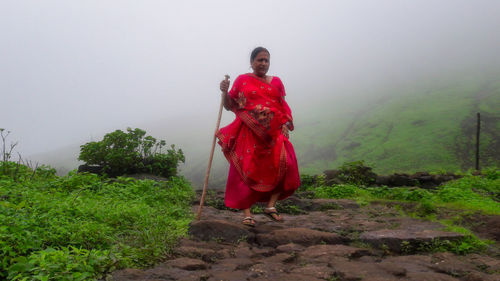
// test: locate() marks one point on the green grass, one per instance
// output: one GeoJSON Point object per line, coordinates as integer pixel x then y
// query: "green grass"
{"type": "Point", "coordinates": [414, 128]}
{"type": "Point", "coordinates": [81, 226]}
{"type": "Point", "coordinates": [470, 194]}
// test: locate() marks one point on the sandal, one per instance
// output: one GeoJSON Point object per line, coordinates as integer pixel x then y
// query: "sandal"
{"type": "Point", "coordinates": [248, 221]}
{"type": "Point", "coordinates": [271, 213]}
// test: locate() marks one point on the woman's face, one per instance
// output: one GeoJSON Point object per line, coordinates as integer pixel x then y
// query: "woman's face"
{"type": "Point", "coordinates": [260, 64]}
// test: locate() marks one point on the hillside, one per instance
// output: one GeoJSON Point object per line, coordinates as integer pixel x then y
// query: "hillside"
{"type": "Point", "coordinates": [425, 126]}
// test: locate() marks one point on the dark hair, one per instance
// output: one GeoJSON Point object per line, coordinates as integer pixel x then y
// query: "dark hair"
{"type": "Point", "coordinates": [256, 51]}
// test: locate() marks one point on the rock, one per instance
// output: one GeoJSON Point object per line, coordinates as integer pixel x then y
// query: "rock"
{"type": "Point", "coordinates": [311, 205]}
{"type": "Point", "coordinates": [352, 270]}
{"type": "Point", "coordinates": [382, 180]}
{"type": "Point", "coordinates": [400, 240]}
{"type": "Point", "coordinates": [262, 252]}
{"type": "Point", "coordinates": [411, 263]}
{"type": "Point", "coordinates": [401, 180]}
{"type": "Point", "coordinates": [267, 270]}
{"type": "Point", "coordinates": [302, 236]}
{"type": "Point", "coordinates": [130, 274]}
{"type": "Point", "coordinates": [218, 230]}
{"type": "Point", "coordinates": [485, 226]}
{"type": "Point", "coordinates": [429, 276]}
{"type": "Point", "coordinates": [232, 264]}
{"type": "Point", "coordinates": [316, 251]}
{"type": "Point", "coordinates": [228, 275]}
{"type": "Point", "coordinates": [172, 273]}
{"type": "Point", "coordinates": [90, 169]}
{"type": "Point", "coordinates": [488, 264]}
{"type": "Point", "coordinates": [187, 264]}
{"type": "Point", "coordinates": [479, 276]}
{"type": "Point", "coordinates": [318, 271]}
{"type": "Point", "coordinates": [194, 252]}
{"type": "Point", "coordinates": [243, 252]}
{"type": "Point", "coordinates": [450, 264]}
{"type": "Point", "coordinates": [280, 258]}
{"type": "Point", "coordinates": [290, 248]}
{"type": "Point", "coordinates": [393, 268]}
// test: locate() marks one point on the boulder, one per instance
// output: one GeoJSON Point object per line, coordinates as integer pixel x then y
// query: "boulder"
{"type": "Point", "coordinates": [406, 240]}
{"type": "Point", "coordinates": [302, 236]}
{"type": "Point", "coordinates": [220, 231]}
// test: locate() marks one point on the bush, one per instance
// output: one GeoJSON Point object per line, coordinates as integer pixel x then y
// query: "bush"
{"type": "Point", "coordinates": [131, 152]}
{"type": "Point", "coordinates": [336, 191]}
{"type": "Point", "coordinates": [310, 182]}
{"type": "Point", "coordinates": [356, 173]}
{"type": "Point", "coordinates": [82, 226]}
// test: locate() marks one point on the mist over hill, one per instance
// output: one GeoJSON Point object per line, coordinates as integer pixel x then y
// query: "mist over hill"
{"type": "Point", "coordinates": [421, 124]}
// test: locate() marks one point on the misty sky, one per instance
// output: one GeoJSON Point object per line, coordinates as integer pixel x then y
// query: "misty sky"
{"type": "Point", "coordinates": [73, 70]}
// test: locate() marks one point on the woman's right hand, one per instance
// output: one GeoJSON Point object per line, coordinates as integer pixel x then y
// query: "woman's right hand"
{"type": "Point", "coordinates": [224, 86]}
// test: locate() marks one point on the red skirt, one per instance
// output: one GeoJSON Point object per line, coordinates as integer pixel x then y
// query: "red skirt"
{"type": "Point", "coordinates": [241, 196]}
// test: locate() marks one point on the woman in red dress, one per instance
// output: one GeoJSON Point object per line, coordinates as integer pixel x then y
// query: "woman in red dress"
{"type": "Point", "coordinates": [263, 167]}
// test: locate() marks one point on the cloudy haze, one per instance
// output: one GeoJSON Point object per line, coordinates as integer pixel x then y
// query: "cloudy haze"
{"type": "Point", "coordinates": [73, 70]}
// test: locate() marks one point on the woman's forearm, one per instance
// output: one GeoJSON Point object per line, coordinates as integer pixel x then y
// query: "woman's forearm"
{"type": "Point", "coordinates": [228, 103]}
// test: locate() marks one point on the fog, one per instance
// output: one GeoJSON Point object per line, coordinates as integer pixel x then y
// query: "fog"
{"type": "Point", "coordinates": [71, 71]}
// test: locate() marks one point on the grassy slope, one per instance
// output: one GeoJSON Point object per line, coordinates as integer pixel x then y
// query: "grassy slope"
{"type": "Point", "coordinates": [416, 127]}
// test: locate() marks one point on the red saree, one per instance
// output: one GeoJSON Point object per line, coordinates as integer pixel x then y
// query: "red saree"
{"type": "Point", "coordinates": [262, 159]}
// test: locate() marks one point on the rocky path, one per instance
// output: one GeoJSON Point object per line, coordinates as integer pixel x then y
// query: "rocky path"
{"type": "Point", "coordinates": [333, 240]}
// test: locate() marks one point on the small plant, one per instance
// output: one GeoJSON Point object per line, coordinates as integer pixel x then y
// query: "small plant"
{"type": "Point", "coordinates": [287, 208]}
{"type": "Point", "coordinates": [256, 209]}
{"type": "Point", "coordinates": [336, 191]}
{"type": "Point", "coordinates": [308, 182]}
{"type": "Point", "coordinates": [406, 247]}
{"type": "Point", "coordinates": [330, 206]}
{"type": "Point", "coordinates": [426, 208]}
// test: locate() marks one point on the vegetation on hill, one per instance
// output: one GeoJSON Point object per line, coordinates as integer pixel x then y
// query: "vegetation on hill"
{"type": "Point", "coordinates": [131, 152]}
{"type": "Point", "coordinates": [428, 126]}
{"type": "Point", "coordinates": [468, 196]}
{"type": "Point", "coordinates": [82, 226]}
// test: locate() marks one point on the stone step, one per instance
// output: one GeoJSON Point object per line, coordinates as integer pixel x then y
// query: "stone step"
{"type": "Point", "coordinates": [406, 240]}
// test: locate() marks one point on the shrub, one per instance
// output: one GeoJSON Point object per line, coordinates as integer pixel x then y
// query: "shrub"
{"type": "Point", "coordinates": [356, 173]}
{"type": "Point", "coordinates": [336, 191]}
{"type": "Point", "coordinates": [82, 226]}
{"type": "Point", "coordinates": [307, 181]}
{"type": "Point", "coordinates": [131, 152]}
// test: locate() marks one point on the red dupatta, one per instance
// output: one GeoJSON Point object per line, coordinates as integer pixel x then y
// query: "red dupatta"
{"type": "Point", "coordinates": [253, 142]}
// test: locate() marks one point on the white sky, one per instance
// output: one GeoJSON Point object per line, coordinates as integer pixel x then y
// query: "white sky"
{"type": "Point", "coordinates": [73, 70]}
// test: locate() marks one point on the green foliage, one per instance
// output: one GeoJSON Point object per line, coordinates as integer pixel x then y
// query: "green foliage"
{"type": "Point", "coordinates": [469, 244]}
{"type": "Point", "coordinates": [426, 208]}
{"type": "Point", "coordinates": [399, 193]}
{"type": "Point", "coordinates": [475, 193]}
{"type": "Point", "coordinates": [492, 173]}
{"type": "Point", "coordinates": [131, 152]}
{"type": "Point", "coordinates": [81, 226]}
{"type": "Point", "coordinates": [287, 207]}
{"type": "Point", "coordinates": [426, 125]}
{"type": "Point", "coordinates": [356, 173]}
{"type": "Point", "coordinates": [66, 263]}
{"type": "Point", "coordinates": [336, 191]}
{"type": "Point", "coordinates": [308, 182]}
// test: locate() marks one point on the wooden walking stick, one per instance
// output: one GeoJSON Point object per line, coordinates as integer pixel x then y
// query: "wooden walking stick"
{"type": "Point", "coordinates": [205, 183]}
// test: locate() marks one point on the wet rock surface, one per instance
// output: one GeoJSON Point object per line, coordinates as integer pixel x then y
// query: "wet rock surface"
{"type": "Point", "coordinates": [347, 242]}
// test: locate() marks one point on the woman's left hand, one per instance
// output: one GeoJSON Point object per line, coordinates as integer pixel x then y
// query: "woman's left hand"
{"type": "Point", "coordinates": [285, 130]}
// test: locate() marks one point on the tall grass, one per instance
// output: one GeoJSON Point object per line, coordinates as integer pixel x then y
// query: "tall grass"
{"type": "Point", "coordinates": [81, 226]}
